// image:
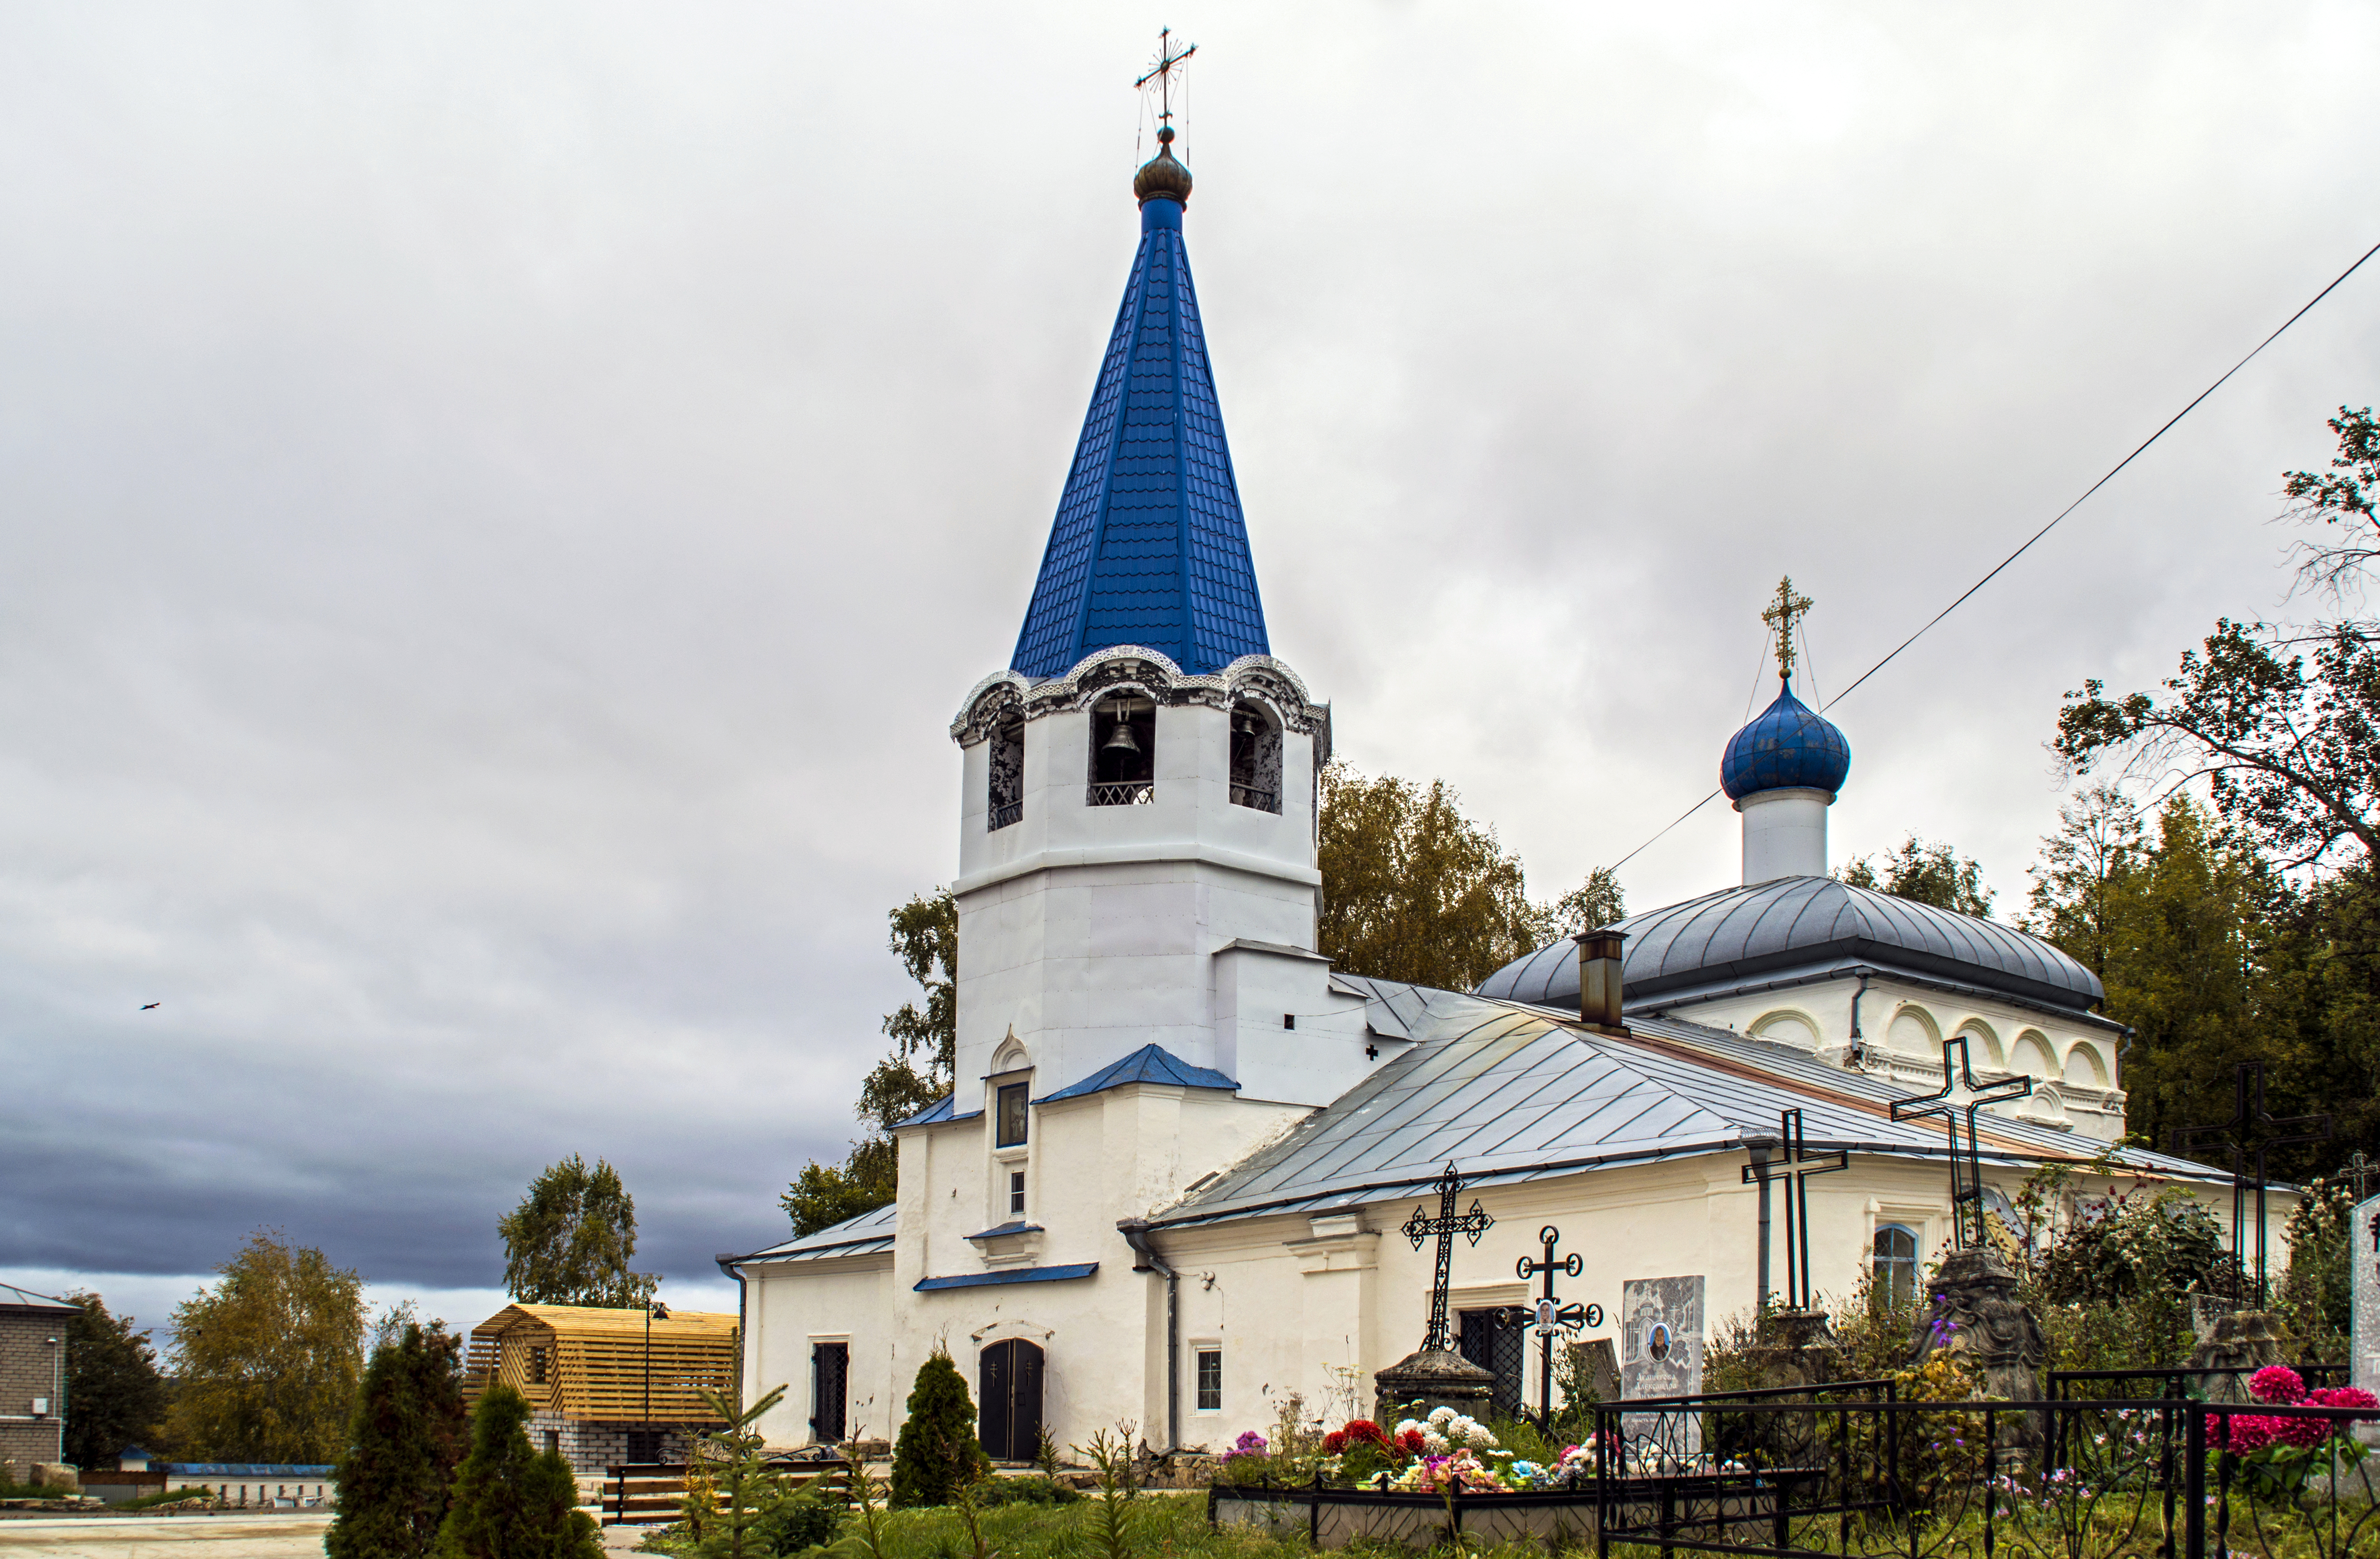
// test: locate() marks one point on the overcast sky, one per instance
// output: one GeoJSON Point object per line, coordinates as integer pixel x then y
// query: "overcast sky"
{"type": "Point", "coordinates": [501, 503]}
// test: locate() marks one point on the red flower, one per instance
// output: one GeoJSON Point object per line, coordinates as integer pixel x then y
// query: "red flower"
{"type": "Point", "coordinates": [2343, 1396]}
{"type": "Point", "coordinates": [2277, 1383]}
{"type": "Point", "coordinates": [1410, 1442]}
{"type": "Point", "coordinates": [1365, 1430]}
{"type": "Point", "coordinates": [2299, 1431]}
{"type": "Point", "coordinates": [1334, 1443]}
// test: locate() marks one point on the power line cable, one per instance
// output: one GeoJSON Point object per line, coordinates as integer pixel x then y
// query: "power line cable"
{"type": "Point", "coordinates": [1998, 567]}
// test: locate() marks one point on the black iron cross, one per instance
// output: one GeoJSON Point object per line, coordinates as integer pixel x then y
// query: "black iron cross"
{"type": "Point", "coordinates": [2356, 1175]}
{"type": "Point", "coordinates": [1162, 69]}
{"type": "Point", "coordinates": [1958, 1095]}
{"type": "Point", "coordinates": [1445, 1226]}
{"type": "Point", "coordinates": [1550, 1315]}
{"type": "Point", "coordinates": [1795, 1169]}
{"type": "Point", "coordinates": [2248, 1111]}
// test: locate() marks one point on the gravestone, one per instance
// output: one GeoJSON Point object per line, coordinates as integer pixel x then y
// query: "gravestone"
{"type": "Point", "coordinates": [1662, 1355]}
{"type": "Point", "coordinates": [2363, 1262]}
{"type": "Point", "coordinates": [1595, 1363]}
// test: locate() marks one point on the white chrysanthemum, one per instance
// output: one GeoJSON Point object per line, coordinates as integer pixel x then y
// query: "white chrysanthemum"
{"type": "Point", "coordinates": [1434, 1442]}
{"type": "Point", "coordinates": [1478, 1434]}
{"type": "Point", "coordinates": [1407, 1425]}
{"type": "Point", "coordinates": [1441, 1415]}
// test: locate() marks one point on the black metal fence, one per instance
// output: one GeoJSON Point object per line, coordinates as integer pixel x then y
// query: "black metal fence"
{"type": "Point", "coordinates": [1856, 1470]}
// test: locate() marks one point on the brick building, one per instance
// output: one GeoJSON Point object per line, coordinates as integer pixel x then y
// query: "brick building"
{"type": "Point", "coordinates": [32, 1378]}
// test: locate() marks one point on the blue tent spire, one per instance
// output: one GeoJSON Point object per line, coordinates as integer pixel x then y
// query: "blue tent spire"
{"type": "Point", "coordinates": [1148, 546]}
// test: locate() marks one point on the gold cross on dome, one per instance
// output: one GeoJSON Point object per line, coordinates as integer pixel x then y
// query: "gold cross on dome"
{"type": "Point", "coordinates": [1162, 71]}
{"type": "Point", "coordinates": [1784, 614]}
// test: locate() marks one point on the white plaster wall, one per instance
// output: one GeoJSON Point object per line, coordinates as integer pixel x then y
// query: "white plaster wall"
{"type": "Point", "coordinates": [1784, 834]}
{"type": "Point", "coordinates": [1903, 1028]}
{"type": "Point", "coordinates": [1086, 930]}
{"type": "Point", "coordinates": [791, 1305]}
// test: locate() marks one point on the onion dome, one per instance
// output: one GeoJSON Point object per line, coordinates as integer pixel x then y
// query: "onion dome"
{"type": "Point", "coordinates": [1790, 747]}
{"type": "Point", "coordinates": [1163, 178]}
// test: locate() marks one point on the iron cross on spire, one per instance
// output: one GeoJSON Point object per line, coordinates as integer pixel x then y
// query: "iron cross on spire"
{"type": "Point", "coordinates": [1445, 1226]}
{"type": "Point", "coordinates": [1795, 1169]}
{"type": "Point", "coordinates": [1960, 1095]}
{"type": "Point", "coordinates": [1162, 71]}
{"type": "Point", "coordinates": [1785, 614]}
{"type": "Point", "coordinates": [2248, 1113]}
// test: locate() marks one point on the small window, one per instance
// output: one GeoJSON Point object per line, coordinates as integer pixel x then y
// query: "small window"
{"type": "Point", "coordinates": [554, 1442]}
{"type": "Point", "coordinates": [1289, 1020]}
{"type": "Point", "coordinates": [1011, 1116]}
{"type": "Point", "coordinates": [1016, 1193]}
{"type": "Point", "coordinates": [536, 1366]}
{"type": "Point", "coordinates": [1256, 759]}
{"type": "Point", "coordinates": [1210, 1379]}
{"type": "Point", "coordinates": [1894, 1262]}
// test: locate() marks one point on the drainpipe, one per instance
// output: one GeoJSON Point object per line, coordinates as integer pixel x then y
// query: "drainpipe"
{"type": "Point", "coordinates": [1859, 1051]}
{"type": "Point", "coordinates": [728, 1264]}
{"type": "Point", "coordinates": [1135, 1233]}
{"type": "Point", "coordinates": [2122, 1050]}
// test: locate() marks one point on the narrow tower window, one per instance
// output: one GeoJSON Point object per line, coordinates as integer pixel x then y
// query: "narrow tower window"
{"type": "Point", "coordinates": [1123, 751]}
{"type": "Point", "coordinates": [1007, 793]}
{"type": "Point", "coordinates": [1012, 1118]}
{"type": "Point", "coordinates": [1256, 759]}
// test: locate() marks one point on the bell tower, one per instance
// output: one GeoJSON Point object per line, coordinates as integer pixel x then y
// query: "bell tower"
{"type": "Point", "coordinates": [1138, 837]}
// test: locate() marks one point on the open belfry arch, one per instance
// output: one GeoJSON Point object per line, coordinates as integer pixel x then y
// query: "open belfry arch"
{"type": "Point", "coordinates": [1158, 1189]}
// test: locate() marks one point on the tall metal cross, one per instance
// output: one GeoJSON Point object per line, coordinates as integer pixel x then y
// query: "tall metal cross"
{"type": "Point", "coordinates": [1444, 1227]}
{"type": "Point", "coordinates": [1783, 616]}
{"type": "Point", "coordinates": [1550, 1315]}
{"type": "Point", "coordinates": [1795, 1169]}
{"type": "Point", "coordinates": [1162, 70]}
{"type": "Point", "coordinates": [2357, 1175]}
{"type": "Point", "coordinates": [1960, 1095]}
{"type": "Point", "coordinates": [2248, 1114]}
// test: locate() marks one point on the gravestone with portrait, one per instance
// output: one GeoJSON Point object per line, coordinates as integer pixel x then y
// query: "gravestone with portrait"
{"type": "Point", "coordinates": [1662, 1355]}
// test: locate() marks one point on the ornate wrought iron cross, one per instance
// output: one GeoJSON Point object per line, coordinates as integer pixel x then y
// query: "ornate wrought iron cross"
{"type": "Point", "coordinates": [1795, 1169]}
{"type": "Point", "coordinates": [1444, 1227]}
{"type": "Point", "coordinates": [1550, 1315]}
{"type": "Point", "coordinates": [1957, 1096]}
{"type": "Point", "coordinates": [2357, 1175]}
{"type": "Point", "coordinates": [1162, 70]}
{"type": "Point", "coordinates": [2248, 1114]}
{"type": "Point", "coordinates": [1782, 615]}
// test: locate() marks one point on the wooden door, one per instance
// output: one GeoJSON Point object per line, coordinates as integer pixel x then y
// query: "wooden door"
{"type": "Point", "coordinates": [1008, 1382]}
{"type": "Point", "coordinates": [830, 1381]}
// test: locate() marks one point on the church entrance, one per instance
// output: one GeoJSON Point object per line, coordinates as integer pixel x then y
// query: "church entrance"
{"type": "Point", "coordinates": [1495, 1345]}
{"type": "Point", "coordinates": [1010, 1389]}
{"type": "Point", "coordinates": [830, 1383]}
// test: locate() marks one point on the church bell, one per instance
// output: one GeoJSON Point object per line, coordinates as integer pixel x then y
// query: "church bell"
{"type": "Point", "coordinates": [1120, 739]}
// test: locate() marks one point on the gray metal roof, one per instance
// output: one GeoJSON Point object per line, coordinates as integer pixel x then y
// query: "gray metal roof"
{"type": "Point", "coordinates": [15, 1298]}
{"type": "Point", "coordinates": [864, 1235]}
{"type": "Point", "coordinates": [1745, 936]}
{"type": "Point", "coordinates": [1507, 1093]}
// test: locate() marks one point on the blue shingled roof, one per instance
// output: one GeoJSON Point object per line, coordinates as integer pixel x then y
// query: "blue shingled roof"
{"type": "Point", "coordinates": [1149, 1064]}
{"type": "Point", "coordinates": [1148, 547]}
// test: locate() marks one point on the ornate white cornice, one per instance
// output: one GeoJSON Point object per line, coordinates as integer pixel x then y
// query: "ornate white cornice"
{"type": "Point", "coordinates": [1008, 694]}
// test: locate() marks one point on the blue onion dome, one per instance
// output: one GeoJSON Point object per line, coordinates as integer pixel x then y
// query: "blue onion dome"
{"type": "Point", "coordinates": [1162, 178]}
{"type": "Point", "coordinates": [1791, 746]}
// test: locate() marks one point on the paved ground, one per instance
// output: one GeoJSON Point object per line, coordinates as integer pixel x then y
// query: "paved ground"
{"type": "Point", "coordinates": [297, 1535]}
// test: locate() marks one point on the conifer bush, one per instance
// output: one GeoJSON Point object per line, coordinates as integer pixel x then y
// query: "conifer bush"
{"type": "Point", "coordinates": [403, 1443]}
{"type": "Point", "coordinates": [510, 1502]}
{"type": "Point", "coordinates": [937, 1453]}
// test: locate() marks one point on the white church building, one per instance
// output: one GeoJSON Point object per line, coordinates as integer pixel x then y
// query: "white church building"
{"type": "Point", "coordinates": [1167, 1190]}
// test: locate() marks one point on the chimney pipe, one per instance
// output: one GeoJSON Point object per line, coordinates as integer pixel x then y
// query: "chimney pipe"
{"type": "Point", "coordinates": [1598, 980]}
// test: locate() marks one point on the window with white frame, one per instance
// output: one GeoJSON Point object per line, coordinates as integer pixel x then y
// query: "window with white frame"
{"type": "Point", "coordinates": [1210, 1378]}
{"type": "Point", "coordinates": [1894, 1262]}
{"type": "Point", "coordinates": [1016, 1193]}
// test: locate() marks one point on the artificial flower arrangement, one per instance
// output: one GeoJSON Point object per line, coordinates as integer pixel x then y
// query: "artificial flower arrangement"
{"type": "Point", "coordinates": [2278, 1453]}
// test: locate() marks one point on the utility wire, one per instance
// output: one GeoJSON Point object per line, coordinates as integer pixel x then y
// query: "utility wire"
{"type": "Point", "coordinates": [2045, 530]}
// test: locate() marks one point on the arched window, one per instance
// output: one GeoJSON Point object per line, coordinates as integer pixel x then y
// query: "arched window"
{"type": "Point", "coordinates": [1124, 750]}
{"type": "Point", "coordinates": [1894, 1262]}
{"type": "Point", "coordinates": [1005, 800]}
{"type": "Point", "coordinates": [1255, 758]}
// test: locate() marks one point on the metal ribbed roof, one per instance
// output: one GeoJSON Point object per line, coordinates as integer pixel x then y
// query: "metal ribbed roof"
{"type": "Point", "coordinates": [1149, 1064]}
{"type": "Point", "coordinates": [1148, 547]}
{"type": "Point", "coordinates": [1769, 930]}
{"type": "Point", "coordinates": [864, 1235]}
{"type": "Point", "coordinates": [1507, 1093]}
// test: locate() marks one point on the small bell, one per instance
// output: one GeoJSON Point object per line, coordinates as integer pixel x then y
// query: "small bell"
{"type": "Point", "coordinates": [1120, 739]}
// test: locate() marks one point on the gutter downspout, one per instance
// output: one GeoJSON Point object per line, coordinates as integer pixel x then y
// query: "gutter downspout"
{"type": "Point", "coordinates": [1859, 1051]}
{"type": "Point", "coordinates": [729, 1264]}
{"type": "Point", "coordinates": [1135, 1233]}
{"type": "Point", "coordinates": [2123, 1049]}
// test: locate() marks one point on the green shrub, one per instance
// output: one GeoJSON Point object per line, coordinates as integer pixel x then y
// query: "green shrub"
{"type": "Point", "coordinates": [403, 1443]}
{"type": "Point", "coordinates": [509, 1502]}
{"type": "Point", "coordinates": [937, 1452]}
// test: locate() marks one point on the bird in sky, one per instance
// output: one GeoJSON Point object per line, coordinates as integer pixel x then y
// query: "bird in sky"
{"type": "Point", "coordinates": [147, 1006]}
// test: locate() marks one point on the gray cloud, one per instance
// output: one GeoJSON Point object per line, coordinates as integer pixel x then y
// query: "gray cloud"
{"type": "Point", "coordinates": [502, 506]}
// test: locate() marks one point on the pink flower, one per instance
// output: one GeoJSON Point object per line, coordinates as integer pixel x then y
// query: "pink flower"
{"type": "Point", "coordinates": [2277, 1383]}
{"type": "Point", "coordinates": [2343, 1396]}
{"type": "Point", "coordinates": [2299, 1431]}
